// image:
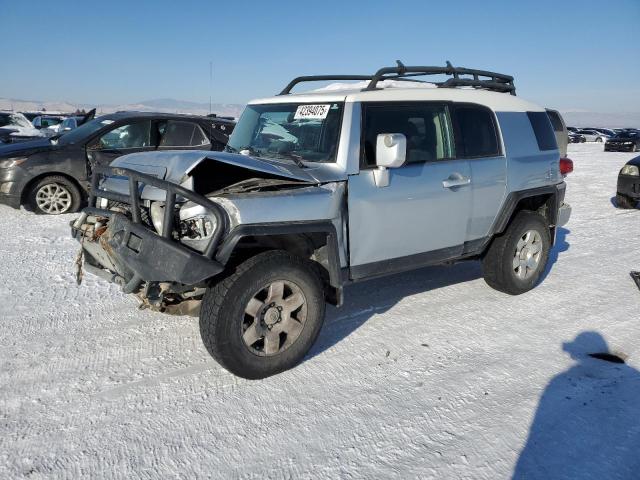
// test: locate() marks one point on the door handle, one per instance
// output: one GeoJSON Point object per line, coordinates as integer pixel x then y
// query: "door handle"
{"type": "Point", "coordinates": [456, 180]}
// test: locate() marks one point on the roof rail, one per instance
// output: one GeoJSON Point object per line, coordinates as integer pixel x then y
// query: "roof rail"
{"type": "Point", "coordinates": [492, 81]}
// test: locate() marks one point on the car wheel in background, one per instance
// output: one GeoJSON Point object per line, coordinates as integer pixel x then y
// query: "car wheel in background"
{"type": "Point", "coordinates": [264, 317]}
{"type": "Point", "coordinates": [622, 201]}
{"type": "Point", "coordinates": [599, 139]}
{"type": "Point", "coordinates": [54, 195]}
{"type": "Point", "coordinates": [516, 259]}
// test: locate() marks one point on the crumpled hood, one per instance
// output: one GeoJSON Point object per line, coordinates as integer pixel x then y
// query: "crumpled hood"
{"type": "Point", "coordinates": [24, 149]}
{"type": "Point", "coordinates": [174, 166]}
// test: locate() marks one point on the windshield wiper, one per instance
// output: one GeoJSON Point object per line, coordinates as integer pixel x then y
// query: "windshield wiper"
{"type": "Point", "coordinates": [253, 152]}
{"type": "Point", "coordinates": [297, 159]}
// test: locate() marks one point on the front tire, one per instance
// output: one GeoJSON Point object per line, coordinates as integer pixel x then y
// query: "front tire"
{"type": "Point", "coordinates": [54, 195]}
{"type": "Point", "coordinates": [264, 317]}
{"type": "Point", "coordinates": [515, 260]}
{"type": "Point", "coordinates": [624, 202]}
{"type": "Point", "coordinates": [599, 140]}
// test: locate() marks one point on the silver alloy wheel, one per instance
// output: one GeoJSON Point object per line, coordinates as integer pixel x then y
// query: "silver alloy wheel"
{"type": "Point", "coordinates": [274, 318]}
{"type": "Point", "coordinates": [53, 198]}
{"type": "Point", "coordinates": [528, 254]}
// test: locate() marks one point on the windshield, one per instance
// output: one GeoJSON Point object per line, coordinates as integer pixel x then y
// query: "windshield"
{"type": "Point", "coordinates": [627, 134]}
{"type": "Point", "coordinates": [84, 131]}
{"type": "Point", "coordinates": [290, 131]}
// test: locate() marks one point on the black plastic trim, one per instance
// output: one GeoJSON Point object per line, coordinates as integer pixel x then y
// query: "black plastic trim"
{"type": "Point", "coordinates": [511, 202]}
{"type": "Point", "coordinates": [402, 264]}
{"type": "Point", "coordinates": [287, 228]}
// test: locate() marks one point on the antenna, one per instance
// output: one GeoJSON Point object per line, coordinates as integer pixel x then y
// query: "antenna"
{"type": "Point", "coordinates": [210, 83]}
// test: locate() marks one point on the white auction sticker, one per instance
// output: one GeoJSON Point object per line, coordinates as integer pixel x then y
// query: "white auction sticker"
{"type": "Point", "coordinates": [311, 111]}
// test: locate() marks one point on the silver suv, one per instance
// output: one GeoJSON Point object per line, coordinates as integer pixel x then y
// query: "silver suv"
{"type": "Point", "coordinates": [320, 189]}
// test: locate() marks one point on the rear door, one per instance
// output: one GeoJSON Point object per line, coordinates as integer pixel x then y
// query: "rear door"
{"type": "Point", "coordinates": [421, 216]}
{"type": "Point", "coordinates": [121, 140]}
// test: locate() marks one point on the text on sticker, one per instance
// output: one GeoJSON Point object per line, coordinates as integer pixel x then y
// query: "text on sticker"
{"type": "Point", "coordinates": [311, 111]}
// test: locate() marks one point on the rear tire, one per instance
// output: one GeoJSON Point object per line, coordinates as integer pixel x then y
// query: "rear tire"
{"type": "Point", "coordinates": [515, 260]}
{"type": "Point", "coordinates": [624, 202]}
{"type": "Point", "coordinates": [599, 140]}
{"type": "Point", "coordinates": [54, 195]}
{"type": "Point", "coordinates": [256, 328]}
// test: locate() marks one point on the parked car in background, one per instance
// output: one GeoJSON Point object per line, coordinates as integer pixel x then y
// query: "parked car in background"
{"type": "Point", "coordinates": [14, 127]}
{"type": "Point", "coordinates": [628, 191]}
{"type": "Point", "coordinates": [576, 138]}
{"type": "Point", "coordinates": [70, 123]}
{"type": "Point", "coordinates": [560, 129]}
{"type": "Point", "coordinates": [572, 129]}
{"type": "Point", "coordinates": [593, 135]}
{"type": "Point", "coordinates": [625, 141]}
{"type": "Point", "coordinates": [50, 175]}
{"type": "Point", "coordinates": [48, 122]}
{"type": "Point", "coordinates": [74, 121]}
{"type": "Point", "coordinates": [605, 131]}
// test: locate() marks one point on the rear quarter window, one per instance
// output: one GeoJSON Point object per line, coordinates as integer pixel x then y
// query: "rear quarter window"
{"type": "Point", "coordinates": [556, 123]}
{"type": "Point", "coordinates": [479, 137]}
{"type": "Point", "coordinates": [543, 130]}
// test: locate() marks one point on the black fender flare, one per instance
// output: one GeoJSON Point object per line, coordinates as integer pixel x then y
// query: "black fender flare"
{"type": "Point", "coordinates": [511, 202]}
{"type": "Point", "coordinates": [287, 228]}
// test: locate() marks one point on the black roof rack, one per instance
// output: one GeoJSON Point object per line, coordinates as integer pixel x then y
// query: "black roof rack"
{"type": "Point", "coordinates": [497, 82]}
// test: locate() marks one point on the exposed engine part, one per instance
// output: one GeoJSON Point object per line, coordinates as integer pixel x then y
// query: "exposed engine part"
{"type": "Point", "coordinates": [167, 298]}
{"type": "Point", "coordinates": [157, 215]}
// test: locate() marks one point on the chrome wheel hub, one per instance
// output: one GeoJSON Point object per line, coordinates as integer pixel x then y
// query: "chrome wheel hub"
{"type": "Point", "coordinates": [274, 318]}
{"type": "Point", "coordinates": [528, 254]}
{"type": "Point", "coordinates": [53, 198]}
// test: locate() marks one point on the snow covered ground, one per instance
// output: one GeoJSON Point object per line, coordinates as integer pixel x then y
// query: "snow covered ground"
{"type": "Point", "coordinates": [428, 374]}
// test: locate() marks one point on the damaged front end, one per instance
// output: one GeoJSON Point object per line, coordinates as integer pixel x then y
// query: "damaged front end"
{"type": "Point", "coordinates": [119, 244]}
{"type": "Point", "coordinates": [155, 229]}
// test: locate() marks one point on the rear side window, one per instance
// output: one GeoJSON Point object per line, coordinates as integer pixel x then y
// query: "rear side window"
{"type": "Point", "coordinates": [182, 134]}
{"type": "Point", "coordinates": [479, 137]}
{"type": "Point", "coordinates": [556, 123]}
{"type": "Point", "coordinates": [545, 135]}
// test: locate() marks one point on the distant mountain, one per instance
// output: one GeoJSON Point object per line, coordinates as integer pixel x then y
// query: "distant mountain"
{"type": "Point", "coordinates": [157, 105]}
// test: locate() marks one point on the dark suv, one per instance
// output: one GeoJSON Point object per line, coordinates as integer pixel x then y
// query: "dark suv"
{"type": "Point", "coordinates": [51, 175]}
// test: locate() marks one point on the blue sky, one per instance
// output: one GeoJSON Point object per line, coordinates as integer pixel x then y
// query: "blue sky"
{"type": "Point", "coordinates": [582, 55]}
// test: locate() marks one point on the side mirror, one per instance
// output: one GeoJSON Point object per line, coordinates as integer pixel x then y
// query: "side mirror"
{"type": "Point", "coordinates": [391, 152]}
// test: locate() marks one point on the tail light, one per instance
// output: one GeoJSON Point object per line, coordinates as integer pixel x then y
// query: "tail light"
{"type": "Point", "coordinates": [566, 166]}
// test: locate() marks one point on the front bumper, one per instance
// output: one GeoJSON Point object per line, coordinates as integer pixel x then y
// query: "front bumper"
{"type": "Point", "coordinates": [133, 253]}
{"type": "Point", "coordinates": [617, 147]}
{"type": "Point", "coordinates": [12, 181]}
{"type": "Point", "coordinates": [11, 200]}
{"type": "Point", "coordinates": [629, 185]}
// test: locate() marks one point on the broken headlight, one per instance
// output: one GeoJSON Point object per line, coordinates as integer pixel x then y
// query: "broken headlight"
{"type": "Point", "coordinates": [196, 226]}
